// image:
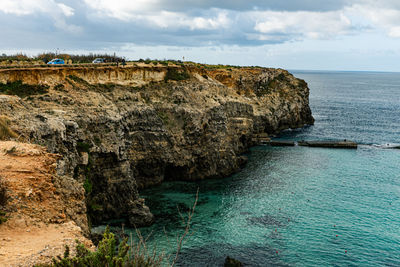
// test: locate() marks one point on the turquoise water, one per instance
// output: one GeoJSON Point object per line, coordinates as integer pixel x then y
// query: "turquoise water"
{"type": "Point", "coordinates": [298, 206]}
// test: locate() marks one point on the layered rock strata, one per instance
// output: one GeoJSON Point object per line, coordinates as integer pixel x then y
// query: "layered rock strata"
{"type": "Point", "coordinates": [123, 129]}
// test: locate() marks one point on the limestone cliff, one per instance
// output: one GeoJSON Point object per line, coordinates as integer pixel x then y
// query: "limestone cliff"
{"type": "Point", "coordinates": [122, 129]}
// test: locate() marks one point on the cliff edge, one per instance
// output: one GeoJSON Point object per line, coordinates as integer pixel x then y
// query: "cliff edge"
{"type": "Point", "coordinates": [122, 129]}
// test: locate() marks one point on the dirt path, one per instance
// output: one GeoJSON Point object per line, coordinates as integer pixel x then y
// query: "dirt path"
{"type": "Point", "coordinates": [26, 246]}
{"type": "Point", "coordinates": [37, 228]}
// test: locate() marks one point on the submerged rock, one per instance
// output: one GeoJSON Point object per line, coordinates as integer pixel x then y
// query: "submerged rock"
{"type": "Point", "coordinates": [231, 262]}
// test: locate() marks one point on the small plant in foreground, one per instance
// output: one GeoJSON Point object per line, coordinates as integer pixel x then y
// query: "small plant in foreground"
{"type": "Point", "coordinates": [107, 254]}
{"type": "Point", "coordinates": [135, 254]}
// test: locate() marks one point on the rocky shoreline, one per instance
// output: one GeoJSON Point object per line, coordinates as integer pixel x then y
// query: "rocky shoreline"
{"type": "Point", "coordinates": [122, 129]}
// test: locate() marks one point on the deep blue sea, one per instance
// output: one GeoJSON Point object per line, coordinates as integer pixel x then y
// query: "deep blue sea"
{"type": "Point", "coordinates": [299, 206]}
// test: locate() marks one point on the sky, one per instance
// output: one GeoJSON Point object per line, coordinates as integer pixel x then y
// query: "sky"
{"type": "Point", "coordinates": [290, 34]}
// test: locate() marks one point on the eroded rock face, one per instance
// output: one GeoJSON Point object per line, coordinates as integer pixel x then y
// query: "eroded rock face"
{"type": "Point", "coordinates": [116, 138]}
{"type": "Point", "coordinates": [36, 194]}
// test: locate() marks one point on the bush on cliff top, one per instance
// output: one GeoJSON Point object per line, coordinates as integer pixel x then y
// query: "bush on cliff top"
{"type": "Point", "coordinates": [176, 75]}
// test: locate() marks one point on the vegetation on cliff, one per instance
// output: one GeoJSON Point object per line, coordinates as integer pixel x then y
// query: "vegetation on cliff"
{"type": "Point", "coordinates": [6, 132]}
{"type": "Point", "coordinates": [83, 58]}
{"type": "Point", "coordinates": [22, 90]}
{"type": "Point", "coordinates": [127, 254]}
{"type": "Point", "coordinates": [3, 200]}
{"type": "Point", "coordinates": [176, 74]}
{"type": "Point", "coordinates": [109, 254]}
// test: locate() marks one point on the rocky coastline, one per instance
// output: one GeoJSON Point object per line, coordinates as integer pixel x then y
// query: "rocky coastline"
{"type": "Point", "coordinates": [118, 130]}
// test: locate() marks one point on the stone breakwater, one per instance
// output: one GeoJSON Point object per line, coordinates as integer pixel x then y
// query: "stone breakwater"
{"type": "Point", "coordinates": [122, 129]}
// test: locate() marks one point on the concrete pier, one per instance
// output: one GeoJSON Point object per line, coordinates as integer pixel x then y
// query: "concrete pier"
{"type": "Point", "coordinates": [326, 144]}
{"type": "Point", "coordinates": [281, 143]}
{"type": "Point", "coordinates": [329, 144]}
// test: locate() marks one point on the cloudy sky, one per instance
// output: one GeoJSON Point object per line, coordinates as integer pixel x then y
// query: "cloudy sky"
{"type": "Point", "coordinates": [292, 34]}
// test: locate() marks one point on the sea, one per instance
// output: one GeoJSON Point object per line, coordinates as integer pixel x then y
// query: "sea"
{"type": "Point", "coordinates": [300, 206]}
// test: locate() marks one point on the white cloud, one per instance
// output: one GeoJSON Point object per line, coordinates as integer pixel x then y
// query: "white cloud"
{"type": "Point", "coordinates": [206, 22]}
{"type": "Point", "coordinates": [353, 17]}
{"type": "Point", "coordinates": [220, 21]}
{"type": "Point", "coordinates": [383, 15]}
{"type": "Point", "coordinates": [176, 20]}
{"type": "Point", "coordinates": [148, 12]}
{"type": "Point", "coordinates": [57, 11]}
{"type": "Point", "coordinates": [314, 25]}
{"type": "Point", "coordinates": [123, 9]}
{"type": "Point", "coordinates": [394, 32]}
{"type": "Point", "coordinates": [27, 7]}
{"type": "Point", "coordinates": [24, 7]}
{"type": "Point", "coordinates": [266, 24]}
{"type": "Point", "coordinates": [66, 10]}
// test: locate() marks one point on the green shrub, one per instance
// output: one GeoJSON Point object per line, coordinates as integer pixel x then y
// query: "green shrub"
{"type": "Point", "coordinates": [88, 186]}
{"type": "Point", "coordinates": [83, 147]}
{"type": "Point", "coordinates": [134, 254]}
{"type": "Point", "coordinates": [3, 217]}
{"type": "Point", "coordinates": [15, 57]}
{"type": "Point", "coordinates": [176, 74]}
{"type": "Point", "coordinates": [108, 254]}
{"type": "Point", "coordinates": [281, 77]}
{"type": "Point", "coordinates": [302, 83]}
{"type": "Point", "coordinates": [163, 116]}
{"type": "Point", "coordinates": [22, 90]}
{"type": "Point", "coordinates": [97, 140]}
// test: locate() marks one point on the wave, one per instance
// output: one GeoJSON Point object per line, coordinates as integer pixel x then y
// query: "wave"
{"type": "Point", "coordinates": [384, 146]}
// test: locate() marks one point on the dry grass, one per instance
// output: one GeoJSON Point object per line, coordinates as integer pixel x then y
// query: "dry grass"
{"type": "Point", "coordinates": [5, 131]}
